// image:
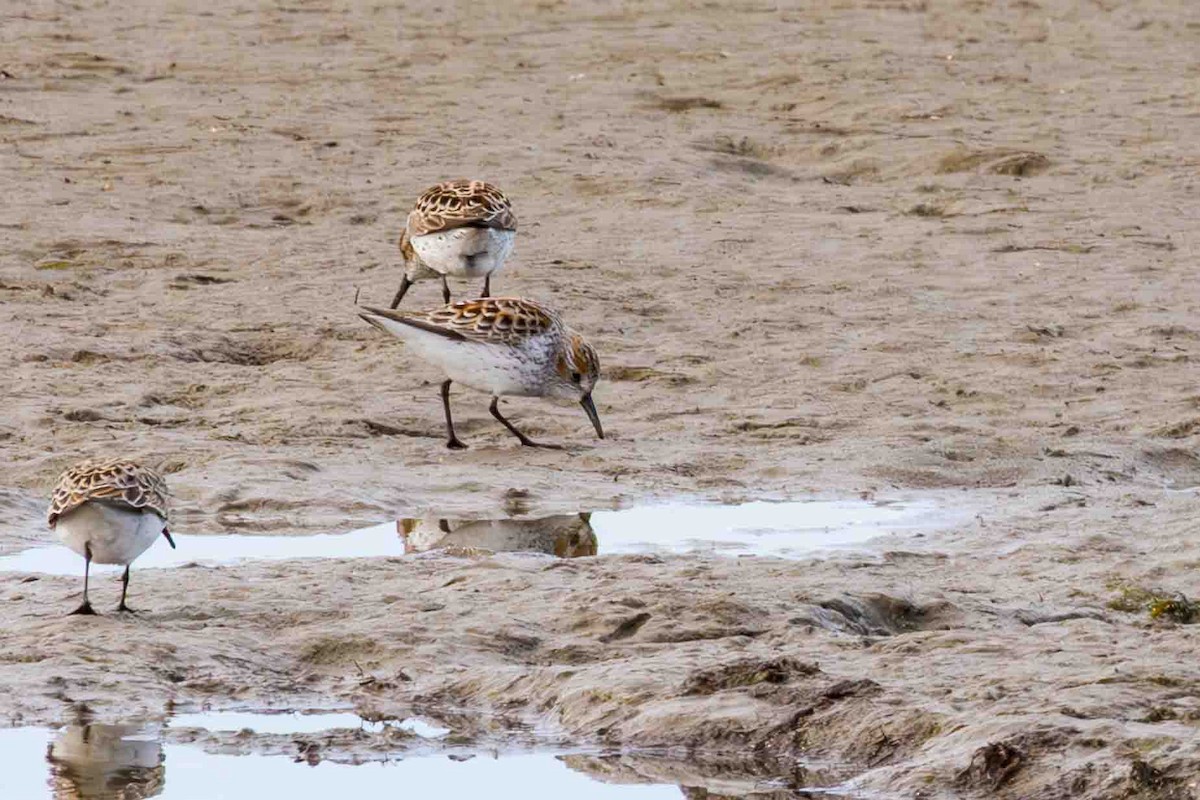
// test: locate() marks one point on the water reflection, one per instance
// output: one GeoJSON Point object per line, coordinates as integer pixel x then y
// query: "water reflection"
{"type": "Point", "coordinates": [105, 762]}
{"type": "Point", "coordinates": [745, 779]}
{"type": "Point", "coordinates": [792, 529]}
{"type": "Point", "coordinates": [128, 762]}
{"type": "Point", "coordinates": [564, 535]}
{"type": "Point", "coordinates": [292, 722]}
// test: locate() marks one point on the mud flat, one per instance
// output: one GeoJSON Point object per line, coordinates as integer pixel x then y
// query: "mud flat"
{"type": "Point", "coordinates": [861, 248]}
{"type": "Point", "coordinates": [1013, 655]}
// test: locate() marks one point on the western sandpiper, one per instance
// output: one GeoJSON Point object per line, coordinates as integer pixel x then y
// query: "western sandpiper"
{"type": "Point", "coordinates": [505, 346]}
{"type": "Point", "coordinates": [460, 228]}
{"type": "Point", "coordinates": [109, 512]}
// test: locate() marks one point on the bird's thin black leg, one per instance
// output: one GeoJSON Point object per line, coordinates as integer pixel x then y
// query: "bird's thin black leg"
{"type": "Point", "coordinates": [85, 607]}
{"type": "Point", "coordinates": [453, 443]}
{"type": "Point", "coordinates": [525, 440]}
{"type": "Point", "coordinates": [445, 290]}
{"type": "Point", "coordinates": [404, 284]}
{"type": "Point", "coordinates": [487, 286]}
{"type": "Point", "coordinates": [124, 589]}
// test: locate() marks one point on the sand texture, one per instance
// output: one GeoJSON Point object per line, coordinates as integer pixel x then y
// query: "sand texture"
{"type": "Point", "coordinates": [849, 247]}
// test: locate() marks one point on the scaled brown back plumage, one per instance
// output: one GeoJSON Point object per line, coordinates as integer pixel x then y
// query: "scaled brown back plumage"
{"type": "Point", "coordinates": [117, 481]}
{"type": "Point", "coordinates": [461, 204]}
{"type": "Point", "coordinates": [499, 320]}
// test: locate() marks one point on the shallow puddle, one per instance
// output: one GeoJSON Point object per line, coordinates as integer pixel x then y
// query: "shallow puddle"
{"type": "Point", "coordinates": [788, 529]}
{"type": "Point", "coordinates": [285, 722]}
{"type": "Point", "coordinates": [379, 540]}
{"type": "Point", "coordinates": [791, 529]}
{"type": "Point", "coordinates": [118, 762]}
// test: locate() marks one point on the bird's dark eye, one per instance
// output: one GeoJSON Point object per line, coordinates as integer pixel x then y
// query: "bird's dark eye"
{"type": "Point", "coordinates": [576, 377]}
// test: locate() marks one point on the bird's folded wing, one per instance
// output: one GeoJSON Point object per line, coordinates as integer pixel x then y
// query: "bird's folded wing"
{"type": "Point", "coordinates": [118, 482]}
{"type": "Point", "coordinates": [499, 320]}
{"type": "Point", "coordinates": [461, 204]}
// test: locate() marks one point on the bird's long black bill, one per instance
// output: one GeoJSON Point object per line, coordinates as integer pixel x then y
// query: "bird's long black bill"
{"type": "Point", "coordinates": [170, 541]}
{"type": "Point", "coordinates": [590, 408]}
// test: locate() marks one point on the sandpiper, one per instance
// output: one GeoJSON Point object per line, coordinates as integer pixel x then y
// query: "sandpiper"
{"type": "Point", "coordinates": [505, 346]}
{"type": "Point", "coordinates": [460, 228]}
{"type": "Point", "coordinates": [109, 512]}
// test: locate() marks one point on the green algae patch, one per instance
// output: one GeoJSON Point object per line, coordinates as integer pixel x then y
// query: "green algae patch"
{"type": "Point", "coordinates": [1158, 604]}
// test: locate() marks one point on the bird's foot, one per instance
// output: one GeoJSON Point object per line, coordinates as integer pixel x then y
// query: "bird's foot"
{"type": "Point", "coordinates": [455, 444]}
{"type": "Point", "coordinates": [85, 609]}
{"type": "Point", "coordinates": [527, 442]}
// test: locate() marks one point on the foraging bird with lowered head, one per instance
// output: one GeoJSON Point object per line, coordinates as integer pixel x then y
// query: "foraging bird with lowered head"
{"type": "Point", "coordinates": [504, 346]}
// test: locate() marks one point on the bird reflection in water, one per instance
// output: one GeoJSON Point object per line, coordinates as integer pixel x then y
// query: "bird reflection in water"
{"type": "Point", "coordinates": [105, 762]}
{"type": "Point", "coordinates": [564, 535]}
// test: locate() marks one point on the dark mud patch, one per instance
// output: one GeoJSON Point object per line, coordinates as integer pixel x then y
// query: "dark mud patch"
{"type": "Point", "coordinates": [997, 162]}
{"type": "Point", "coordinates": [330, 651]}
{"type": "Point", "coordinates": [245, 350]}
{"type": "Point", "coordinates": [1175, 465]}
{"type": "Point", "coordinates": [747, 672]}
{"type": "Point", "coordinates": [884, 615]}
{"type": "Point", "coordinates": [626, 628]}
{"type": "Point", "coordinates": [679, 105]}
{"type": "Point", "coordinates": [992, 766]}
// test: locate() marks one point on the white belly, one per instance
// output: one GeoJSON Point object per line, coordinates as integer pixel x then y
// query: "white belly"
{"type": "Point", "coordinates": [114, 535]}
{"type": "Point", "coordinates": [465, 252]}
{"type": "Point", "coordinates": [495, 369]}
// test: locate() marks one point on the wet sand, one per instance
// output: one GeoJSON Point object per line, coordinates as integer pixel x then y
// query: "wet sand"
{"type": "Point", "coordinates": [874, 246]}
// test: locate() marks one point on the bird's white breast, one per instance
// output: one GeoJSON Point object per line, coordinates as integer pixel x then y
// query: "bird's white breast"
{"type": "Point", "coordinates": [115, 535]}
{"type": "Point", "coordinates": [465, 252]}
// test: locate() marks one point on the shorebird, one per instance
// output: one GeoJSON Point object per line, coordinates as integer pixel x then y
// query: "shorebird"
{"type": "Point", "coordinates": [460, 228]}
{"type": "Point", "coordinates": [505, 346]}
{"type": "Point", "coordinates": [109, 512]}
